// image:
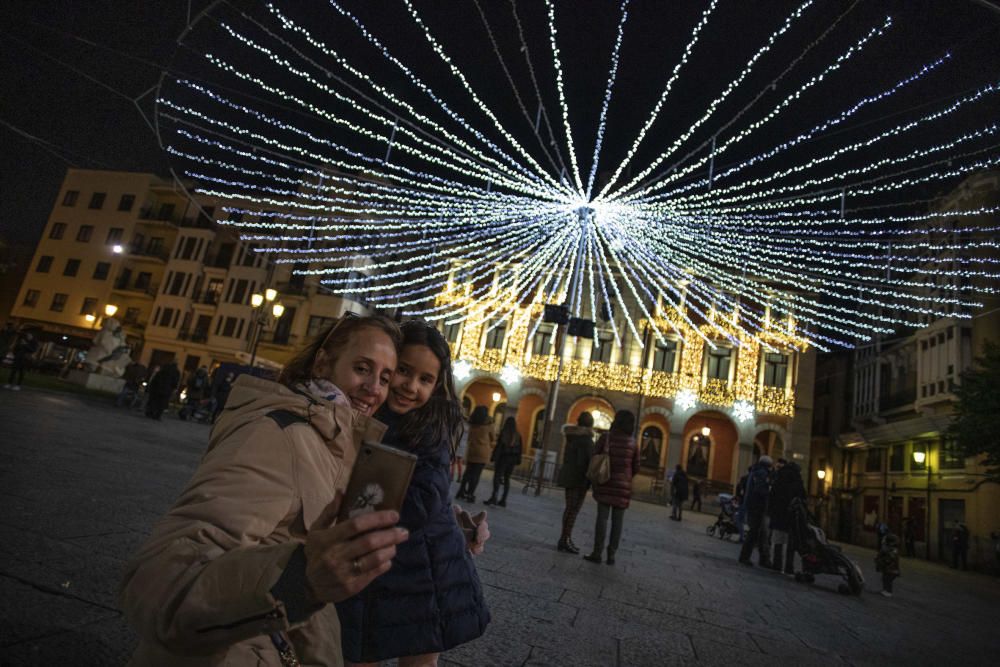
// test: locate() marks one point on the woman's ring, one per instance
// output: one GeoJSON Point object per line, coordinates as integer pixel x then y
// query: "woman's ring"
{"type": "Point", "coordinates": [356, 566]}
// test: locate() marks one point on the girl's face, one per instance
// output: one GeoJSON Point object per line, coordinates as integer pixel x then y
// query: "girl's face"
{"type": "Point", "coordinates": [362, 370]}
{"type": "Point", "coordinates": [415, 379]}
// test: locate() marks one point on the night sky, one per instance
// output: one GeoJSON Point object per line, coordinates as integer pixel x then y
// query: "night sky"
{"type": "Point", "coordinates": [124, 46]}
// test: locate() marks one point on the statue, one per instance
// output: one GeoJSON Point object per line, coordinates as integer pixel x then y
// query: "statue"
{"type": "Point", "coordinates": [109, 355]}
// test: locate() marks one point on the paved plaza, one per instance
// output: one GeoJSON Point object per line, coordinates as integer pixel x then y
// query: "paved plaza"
{"type": "Point", "coordinates": [81, 484]}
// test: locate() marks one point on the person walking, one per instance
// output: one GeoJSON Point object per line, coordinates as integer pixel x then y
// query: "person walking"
{"type": "Point", "coordinates": [887, 562]}
{"type": "Point", "coordinates": [755, 502]}
{"type": "Point", "coordinates": [614, 495]}
{"type": "Point", "coordinates": [696, 495]}
{"type": "Point", "coordinates": [787, 486]}
{"type": "Point", "coordinates": [160, 388]}
{"type": "Point", "coordinates": [24, 350]}
{"type": "Point", "coordinates": [481, 442]}
{"type": "Point", "coordinates": [678, 492]}
{"type": "Point", "coordinates": [959, 546]}
{"type": "Point", "coordinates": [505, 457]}
{"type": "Point", "coordinates": [577, 452]}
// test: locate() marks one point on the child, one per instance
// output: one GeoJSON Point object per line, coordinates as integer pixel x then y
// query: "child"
{"type": "Point", "coordinates": [431, 599]}
{"type": "Point", "coordinates": [887, 562]}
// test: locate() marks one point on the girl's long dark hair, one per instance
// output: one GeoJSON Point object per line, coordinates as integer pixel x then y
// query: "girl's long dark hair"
{"type": "Point", "coordinates": [508, 432]}
{"type": "Point", "coordinates": [438, 422]}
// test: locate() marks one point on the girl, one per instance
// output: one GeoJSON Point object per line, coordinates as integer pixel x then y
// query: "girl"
{"type": "Point", "coordinates": [506, 456]}
{"type": "Point", "coordinates": [482, 439]}
{"type": "Point", "coordinates": [431, 599]}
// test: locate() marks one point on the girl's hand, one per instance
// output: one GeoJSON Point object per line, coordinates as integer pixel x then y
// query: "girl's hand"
{"type": "Point", "coordinates": [341, 561]}
{"type": "Point", "coordinates": [475, 529]}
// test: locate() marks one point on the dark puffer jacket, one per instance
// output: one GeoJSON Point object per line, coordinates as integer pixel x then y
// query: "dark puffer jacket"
{"type": "Point", "coordinates": [431, 600]}
{"type": "Point", "coordinates": [786, 487]}
{"type": "Point", "coordinates": [617, 491]}
{"type": "Point", "coordinates": [576, 457]}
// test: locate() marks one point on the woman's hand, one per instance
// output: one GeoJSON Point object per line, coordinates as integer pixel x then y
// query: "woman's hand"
{"type": "Point", "coordinates": [341, 561]}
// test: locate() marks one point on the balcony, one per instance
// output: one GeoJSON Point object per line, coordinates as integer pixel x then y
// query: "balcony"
{"type": "Point", "coordinates": [205, 298]}
{"type": "Point", "coordinates": [157, 254]}
{"type": "Point", "coordinates": [196, 336]}
{"type": "Point", "coordinates": [135, 289]}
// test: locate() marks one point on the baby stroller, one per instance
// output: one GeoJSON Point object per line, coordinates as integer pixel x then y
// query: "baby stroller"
{"type": "Point", "coordinates": [725, 526]}
{"type": "Point", "coordinates": [818, 555]}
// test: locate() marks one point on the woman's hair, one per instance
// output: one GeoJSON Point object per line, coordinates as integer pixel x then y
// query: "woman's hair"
{"type": "Point", "coordinates": [440, 419]}
{"type": "Point", "coordinates": [585, 419]}
{"type": "Point", "coordinates": [480, 415]}
{"type": "Point", "coordinates": [624, 423]}
{"type": "Point", "coordinates": [508, 431]}
{"type": "Point", "coordinates": [332, 340]}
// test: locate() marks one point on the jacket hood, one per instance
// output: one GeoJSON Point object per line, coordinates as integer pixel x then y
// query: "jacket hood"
{"type": "Point", "coordinates": [252, 398]}
{"type": "Point", "coordinates": [573, 429]}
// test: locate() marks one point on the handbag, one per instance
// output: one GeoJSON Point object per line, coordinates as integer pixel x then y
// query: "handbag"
{"type": "Point", "coordinates": [599, 470]}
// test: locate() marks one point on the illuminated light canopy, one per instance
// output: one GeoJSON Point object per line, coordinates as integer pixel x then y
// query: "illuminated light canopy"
{"type": "Point", "coordinates": [751, 223]}
{"type": "Point", "coordinates": [743, 411]}
{"type": "Point", "coordinates": [686, 399]}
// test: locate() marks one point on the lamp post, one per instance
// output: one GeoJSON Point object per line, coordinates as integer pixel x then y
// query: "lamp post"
{"type": "Point", "coordinates": [261, 316]}
{"type": "Point", "coordinates": [920, 457]}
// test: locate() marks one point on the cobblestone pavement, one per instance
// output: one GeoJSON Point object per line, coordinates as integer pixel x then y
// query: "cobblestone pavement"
{"type": "Point", "coordinates": [81, 483]}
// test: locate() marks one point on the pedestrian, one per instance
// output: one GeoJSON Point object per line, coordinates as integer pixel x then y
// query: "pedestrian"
{"type": "Point", "coordinates": [787, 486]}
{"type": "Point", "coordinates": [243, 568]}
{"type": "Point", "coordinates": [740, 515]}
{"type": "Point", "coordinates": [909, 537]}
{"type": "Point", "coordinates": [577, 452]}
{"type": "Point", "coordinates": [959, 546]}
{"type": "Point", "coordinates": [887, 562]}
{"type": "Point", "coordinates": [160, 388]}
{"type": "Point", "coordinates": [755, 502]}
{"type": "Point", "coordinates": [505, 457]}
{"type": "Point", "coordinates": [881, 530]}
{"type": "Point", "coordinates": [431, 599]}
{"type": "Point", "coordinates": [481, 442]}
{"type": "Point", "coordinates": [198, 389]}
{"type": "Point", "coordinates": [25, 348]}
{"type": "Point", "coordinates": [458, 458]}
{"type": "Point", "coordinates": [135, 374]}
{"type": "Point", "coordinates": [678, 492]}
{"type": "Point", "coordinates": [613, 496]}
{"type": "Point", "coordinates": [696, 495]}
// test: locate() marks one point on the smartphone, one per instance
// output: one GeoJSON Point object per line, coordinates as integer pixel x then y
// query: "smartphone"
{"type": "Point", "coordinates": [379, 481]}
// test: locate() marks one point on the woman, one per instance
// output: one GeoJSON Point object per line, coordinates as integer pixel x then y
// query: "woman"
{"type": "Point", "coordinates": [505, 457]}
{"type": "Point", "coordinates": [577, 453]}
{"type": "Point", "coordinates": [431, 599]}
{"type": "Point", "coordinates": [614, 495]}
{"type": "Point", "coordinates": [481, 443]}
{"type": "Point", "coordinates": [240, 570]}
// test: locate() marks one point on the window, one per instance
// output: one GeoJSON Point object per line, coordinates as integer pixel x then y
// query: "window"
{"type": "Point", "coordinates": [115, 235]}
{"type": "Point", "coordinates": [718, 363]}
{"type": "Point", "coordinates": [318, 325]}
{"type": "Point", "coordinates": [58, 302]}
{"type": "Point", "coordinates": [155, 246]}
{"type": "Point", "coordinates": [602, 351]}
{"type": "Point", "coordinates": [72, 267]}
{"type": "Point", "coordinates": [229, 328]}
{"type": "Point", "coordinates": [69, 199]}
{"type": "Point", "coordinates": [494, 337]}
{"type": "Point", "coordinates": [126, 202]}
{"type": "Point", "coordinates": [239, 292]}
{"type": "Point", "coordinates": [187, 248]}
{"type": "Point", "coordinates": [86, 231]}
{"type": "Point", "coordinates": [952, 455]}
{"type": "Point", "coordinates": [213, 292]}
{"type": "Point", "coordinates": [166, 211]}
{"type": "Point", "coordinates": [143, 279]}
{"type": "Point", "coordinates": [775, 370]}
{"type": "Point", "coordinates": [283, 327]}
{"type": "Point", "coordinates": [31, 298]}
{"type": "Point", "coordinates": [166, 315]}
{"type": "Point", "coordinates": [664, 356]}
{"type": "Point", "coordinates": [44, 264]}
{"type": "Point", "coordinates": [541, 342]}
{"type": "Point", "coordinates": [451, 331]}
{"type": "Point", "coordinates": [89, 306]}
{"type": "Point", "coordinates": [97, 200]}
{"type": "Point", "coordinates": [249, 255]}
{"type": "Point", "coordinates": [101, 270]}
{"type": "Point", "coordinates": [873, 462]}
{"type": "Point", "coordinates": [235, 216]}
{"type": "Point", "coordinates": [176, 287]}
{"type": "Point", "coordinates": [57, 231]}
{"type": "Point", "coordinates": [131, 316]}
{"type": "Point", "coordinates": [897, 456]}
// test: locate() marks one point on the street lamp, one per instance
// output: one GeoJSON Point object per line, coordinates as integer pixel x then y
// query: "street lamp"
{"type": "Point", "coordinates": [262, 317]}
{"type": "Point", "coordinates": [920, 458]}
{"type": "Point", "coordinates": [496, 397]}
{"type": "Point", "coordinates": [110, 310]}
{"type": "Point", "coordinates": [821, 474]}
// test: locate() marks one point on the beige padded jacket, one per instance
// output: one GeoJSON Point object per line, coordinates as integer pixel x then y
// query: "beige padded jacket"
{"type": "Point", "coordinates": [199, 590]}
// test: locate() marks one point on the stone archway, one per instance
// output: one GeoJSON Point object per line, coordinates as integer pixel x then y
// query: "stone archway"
{"type": "Point", "coordinates": [710, 447]}
{"type": "Point", "coordinates": [601, 409]}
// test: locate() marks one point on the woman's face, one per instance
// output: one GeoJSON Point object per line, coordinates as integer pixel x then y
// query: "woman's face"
{"type": "Point", "coordinates": [415, 379]}
{"type": "Point", "coordinates": [362, 369]}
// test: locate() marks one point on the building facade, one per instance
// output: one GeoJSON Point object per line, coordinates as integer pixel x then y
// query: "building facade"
{"type": "Point", "coordinates": [882, 412]}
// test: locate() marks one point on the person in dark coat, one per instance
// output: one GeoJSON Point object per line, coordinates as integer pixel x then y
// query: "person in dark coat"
{"type": "Point", "coordinates": [160, 388]}
{"type": "Point", "coordinates": [787, 486]}
{"type": "Point", "coordinates": [134, 375]}
{"type": "Point", "coordinates": [198, 389]}
{"type": "Point", "coordinates": [506, 456]}
{"type": "Point", "coordinates": [678, 492]}
{"type": "Point", "coordinates": [755, 501]}
{"type": "Point", "coordinates": [960, 546]}
{"type": "Point", "coordinates": [696, 495]}
{"type": "Point", "coordinates": [24, 350]}
{"type": "Point", "coordinates": [614, 495]}
{"type": "Point", "coordinates": [740, 516]}
{"type": "Point", "coordinates": [431, 599]}
{"type": "Point", "coordinates": [577, 453]}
